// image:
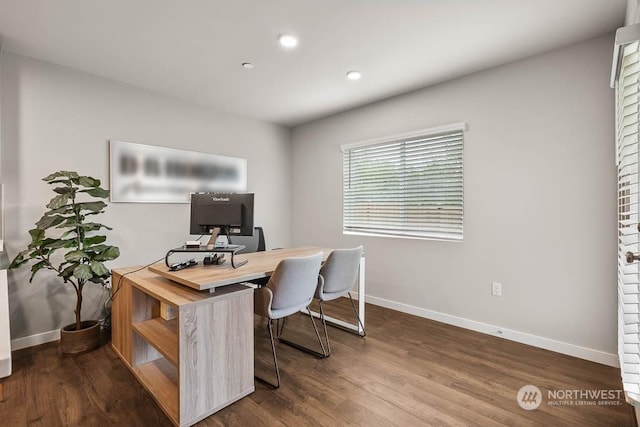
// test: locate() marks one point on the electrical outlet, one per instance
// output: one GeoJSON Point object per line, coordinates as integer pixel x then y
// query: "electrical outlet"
{"type": "Point", "coordinates": [496, 289]}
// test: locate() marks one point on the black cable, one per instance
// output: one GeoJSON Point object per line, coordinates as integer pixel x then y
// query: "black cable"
{"type": "Point", "coordinates": [113, 294]}
{"type": "Point", "coordinates": [107, 320]}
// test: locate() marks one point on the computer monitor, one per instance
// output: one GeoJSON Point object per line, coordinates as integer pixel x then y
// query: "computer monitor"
{"type": "Point", "coordinates": [226, 213]}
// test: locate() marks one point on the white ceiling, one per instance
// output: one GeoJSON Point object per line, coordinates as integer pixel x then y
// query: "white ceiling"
{"type": "Point", "coordinates": [194, 49]}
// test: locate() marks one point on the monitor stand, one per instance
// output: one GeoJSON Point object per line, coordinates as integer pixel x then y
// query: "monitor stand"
{"type": "Point", "coordinates": [212, 240]}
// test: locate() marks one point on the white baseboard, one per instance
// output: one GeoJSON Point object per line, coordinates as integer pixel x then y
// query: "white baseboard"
{"type": "Point", "coordinates": [37, 339]}
{"type": "Point", "coordinates": [485, 328]}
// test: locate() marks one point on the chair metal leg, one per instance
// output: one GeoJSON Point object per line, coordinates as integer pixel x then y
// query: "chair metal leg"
{"type": "Point", "coordinates": [319, 355]}
{"type": "Point", "coordinates": [324, 326]}
{"type": "Point", "coordinates": [280, 329]}
{"type": "Point", "coordinates": [351, 330]}
{"type": "Point", "coordinates": [355, 310]}
{"type": "Point", "coordinates": [275, 358]}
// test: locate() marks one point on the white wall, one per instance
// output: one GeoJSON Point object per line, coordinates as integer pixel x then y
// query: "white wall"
{"type": "Point", "coordinates": [540, 197]}
{"type": "Point", "coordinates": [631, 16]}
{"type": "Point", "coordinates": [56, 118]}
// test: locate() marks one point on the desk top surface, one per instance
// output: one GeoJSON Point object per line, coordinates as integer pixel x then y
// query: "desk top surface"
{"type": "Point", "coordinates": [168, 291]}
{"type": "Point", "coordinates": [261, 264]}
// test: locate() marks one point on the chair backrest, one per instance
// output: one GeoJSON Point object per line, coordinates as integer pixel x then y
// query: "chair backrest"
{"type": "Point", "coordinates": [294, 282]}
{"type": "Point", "coordinates": [340, 270]}
{"type": "Point", "coordinates": [253, 243]}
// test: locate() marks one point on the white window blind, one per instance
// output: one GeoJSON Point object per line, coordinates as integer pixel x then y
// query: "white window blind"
{"type": "Point", "coordinates": [627, 121]}
{"type": "Point", "coordinates": [409, 186]}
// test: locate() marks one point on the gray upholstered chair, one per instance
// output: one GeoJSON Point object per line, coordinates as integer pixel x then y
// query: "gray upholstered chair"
{"type": "Point", "coordinates": [290, 289]}
{"type": "Point", "coordinates": [255, 243]}
{"type": "Point", "coordinates": [337, 277]}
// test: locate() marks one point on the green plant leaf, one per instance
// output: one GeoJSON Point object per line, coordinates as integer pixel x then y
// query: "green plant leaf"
{"type": "Point", "coordinates": [68, 271]}
{"type": "Point", "coordinates": [97, 192]}
{"type": "Point", "coordinates": [89, 226]}
{"type": "Point", "coordinates": [52, 176]}
{"type": "Point", "coordinates": [67, 233]}
{"type": "Point", "coordinates": [75, 256]}
{"type": "Point", "coordinates": [99, 269]}
{"type": "Point", "coordinates": [48, 221]}
{"type": "Point", "coordinates": [93, 240]}
{"type": "Point", "coordinates": [48, 243]}
{"type": "Point", "coordinates": [36, 235]}
{"type": "Point", "coordinates": [92, 206]}
{"type": "Point", "coordinates": [60, 174]}
{"type": "Point", "coordinates": [64, 190]}
{"type": "Point", "coordinates": [62, 243]}
{"type": "Point", "coordinates": [93, 226]}
{"type": "Point", "coordinates": [82, 271]}
{"type": "Point", "coordinates": [65, 181]}
{"type": "Point", "coordinates": [58, 201]}
{"type": "Point", "coordinates": [87, 181]}
{"type": "Point", "coordinates": [38, 240]}
{"type": "Point", "coordinates": [66, 209]}
{"type": "Point", "coordinates": [69, 221]}
{"type": "Point", "coordinates": [35, 268]}
{"type": "Point", "coordinates": [19, 260]}
{"type": "Point", "coordinates": [111, 252]}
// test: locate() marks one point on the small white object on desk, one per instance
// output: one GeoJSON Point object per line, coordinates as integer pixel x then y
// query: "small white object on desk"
{"type": "Point", "coordinates": [192, 244]}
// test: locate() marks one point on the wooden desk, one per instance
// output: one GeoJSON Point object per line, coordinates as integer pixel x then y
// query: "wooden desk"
{"type": "Point", "coordinates": [201, 361]}
{"type": "Point", "coordinates": [261, 264]}
{"type": "Point", "coordinates": [195, 364]}
{"type": "Point", "coordinates": [208, 277]}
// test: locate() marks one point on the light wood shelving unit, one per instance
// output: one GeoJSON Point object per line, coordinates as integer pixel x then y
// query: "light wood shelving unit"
{"type": "Point", "coordinates": [195, 364]}
{"type": "Point", "coordinates": [162, 334]}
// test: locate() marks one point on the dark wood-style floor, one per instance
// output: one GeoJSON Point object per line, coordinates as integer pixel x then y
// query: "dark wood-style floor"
{"type": "Point", "coordinates": [408, 371]}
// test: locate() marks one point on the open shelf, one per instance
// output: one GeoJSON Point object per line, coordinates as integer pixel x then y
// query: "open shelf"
{"type": "Point", "coordinates": [165, 355]}
{"type": "Point", "coordinates": [161, 334]}
{"type": "Point", "coordinates": [160, 378]}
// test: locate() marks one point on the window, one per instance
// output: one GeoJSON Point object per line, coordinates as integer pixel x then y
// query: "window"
{"type": "Point", "coordinates": [627, 95]}
{"type": "Point", "coordinates": [408, 185]}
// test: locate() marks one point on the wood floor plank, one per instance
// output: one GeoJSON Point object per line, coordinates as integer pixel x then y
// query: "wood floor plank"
{"type": "Point", "coordinates": [408, 371]}
{"type": "Point", "coordinates": [12, 409]}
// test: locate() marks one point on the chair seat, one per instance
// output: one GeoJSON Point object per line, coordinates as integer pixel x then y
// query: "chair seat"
{"type": "Point", "coordinates": [328, 296]}
{"type": "Point", "coordinates": [279, 313]}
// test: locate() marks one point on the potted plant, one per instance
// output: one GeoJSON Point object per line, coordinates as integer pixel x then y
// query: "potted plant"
{"type": "Point", "coordinates": [65, 230]}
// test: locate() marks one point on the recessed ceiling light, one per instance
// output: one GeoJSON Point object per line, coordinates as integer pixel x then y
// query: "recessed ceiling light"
{"type": "Point", "coordinates": [354, 75]}
{"type": "Point", "coordinates": [287, 40]}
{"type": "Point", "coordinates": [247, 65]}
